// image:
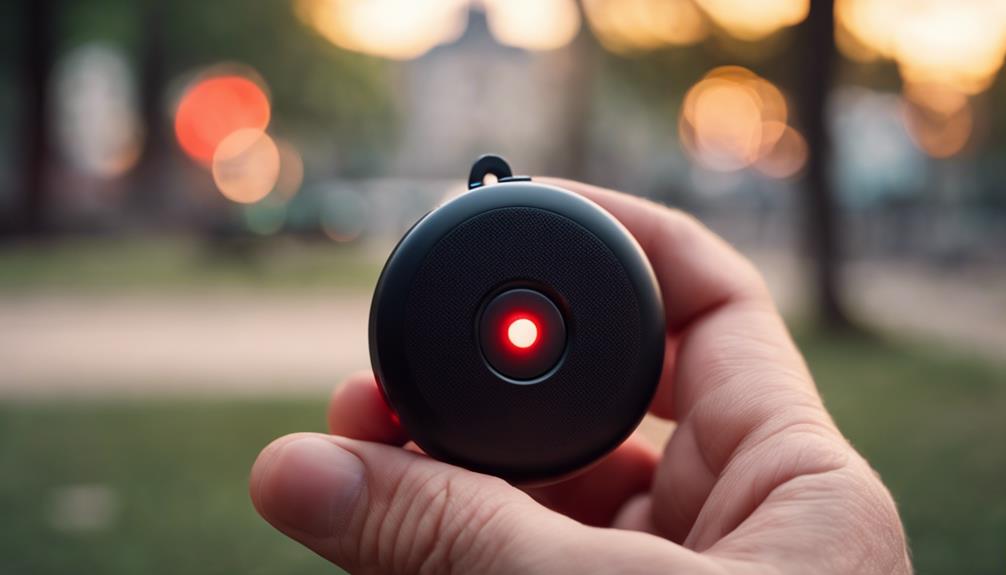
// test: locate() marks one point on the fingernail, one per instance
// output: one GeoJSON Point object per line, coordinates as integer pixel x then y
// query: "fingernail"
{"type": "Point", "coordinates": [312, 486]}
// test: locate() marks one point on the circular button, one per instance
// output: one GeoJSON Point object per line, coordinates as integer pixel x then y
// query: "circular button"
{"type": "Point", "coordinates": [522, 334]}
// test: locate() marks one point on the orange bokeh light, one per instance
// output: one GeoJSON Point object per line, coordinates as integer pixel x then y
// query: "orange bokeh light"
{"type": "Point", "coordinates": [748, 20]}
{"type": "Point", "coordinates": [628, 26]}
{"type": "Point", "coordinates": [938, 124]}
{"type": "Point", "coordinates": [961, 45]}
{"type": "Point", "coordinates": [787, 156]}
{"type": "Point", "coordinates": [215, 107]}
{"type": "Point", "coordinates": [246, 166]}
{"type": "Point", "coordinates": [397, 29]}
{"type": "Point", "coordinates": [733, 119]}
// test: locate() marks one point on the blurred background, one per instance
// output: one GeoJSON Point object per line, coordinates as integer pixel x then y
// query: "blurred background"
{"type": "Point", "coordinates": [196, 199]}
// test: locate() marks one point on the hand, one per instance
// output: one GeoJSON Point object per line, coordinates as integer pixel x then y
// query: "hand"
{"type": "Point", "coordinates": [755, 478]}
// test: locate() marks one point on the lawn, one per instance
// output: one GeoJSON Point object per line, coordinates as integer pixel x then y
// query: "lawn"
{"type": "Point", "coordinates": [127, 264]}
{"type": "Point", "coordinates": [166, 479]}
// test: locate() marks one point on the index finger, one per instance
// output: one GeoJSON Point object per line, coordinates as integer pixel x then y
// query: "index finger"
{"type": "Point", "coordinates": [740, 388]}
{"type": "Point", "coordinates": [697, 271]}
{"type": "Point", "coordinates": [717, 307]}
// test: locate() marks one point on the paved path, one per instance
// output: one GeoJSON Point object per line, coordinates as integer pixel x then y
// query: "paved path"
{"type": "Point", "coordinates": [187, 343]}
{"type": "Point", "coordinates": [281, 343]}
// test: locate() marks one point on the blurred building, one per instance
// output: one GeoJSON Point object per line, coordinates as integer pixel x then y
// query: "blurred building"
{"type": "Point", "coordinates": [474, 96]}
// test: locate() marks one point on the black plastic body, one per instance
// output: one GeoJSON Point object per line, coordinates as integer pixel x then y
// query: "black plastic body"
{"type": "Point", "coordinates": [388, 342]}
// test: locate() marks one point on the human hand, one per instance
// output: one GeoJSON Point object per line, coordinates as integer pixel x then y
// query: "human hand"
{"type": "Point", "coordinates": [755, 478]}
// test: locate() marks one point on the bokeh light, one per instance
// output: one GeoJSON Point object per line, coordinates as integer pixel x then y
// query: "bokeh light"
{"type": "Point", "coordinates": [533, 24]}
{"type": "Point", "coordinates": [344, 215]}
{"type": "Point", "coordinates": [865, 28]}
{"type": "Point", "coordinates": [788, 154]}
{"type": "Point", "coordinates": [246, 166]}
{"type": "Point", "coordinates": [98, 124]}
{"type": "Point", "coordinates": [874, 157]}
{"type": "Point", "coordinates": [726, 124]}
{"type": "Point", "coordinates": [733, 118]}
{"type": "Point", "coordinates": [946, 51]}
{"type": "Point", "coordinates": [213, 108]}
{"type": "Point", "coordinates": [749, 20]}
{"type": "Point", "coordinates": [936, 97]}
{"type": "Point", "coordinates": [940, 127]}
{"type": "Point", "coordinates": [397, 29]}
{"type": "Point", "coordinates": [291, 170]}
{"type": "Point", "coordinates": [627, 26]}
{"type": "Point", "coordinates": [265, 218]}
{"type": "Point", "coordinates": [961, 44]}
{"type": "Point", "coordinates": [958, 43]}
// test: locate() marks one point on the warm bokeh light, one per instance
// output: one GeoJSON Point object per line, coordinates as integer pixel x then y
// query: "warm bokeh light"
{"type": "Point", "coordinates": [626, 26]}
{"type": "Point", "coordinates": [212, 108]}
{"type": "Point", "coordinates": [733, 118]}
{"type": "Point", "coordinates": [787, 156]}
{"type": "Point", "coordinates": [397, 29]}
{"type": "Point", "coordinates": [533, 24]}
{"type": "Point", "coordinates": [936, 97]}
{"type": "Point", "coordinates": [939, 127]}
{"type": "Point", "coordinates": [958, 43]}
{"type": "Point", "coordinates": [961, 44]}
{"type": "Point", "coordinates": [865, 28]}
{"type": "Point", "coordinates": [291, 170]}
{"type": "Point", "coordinates": [946, 50]}
{"type": "Point", "coordinates": [749, 20]}
{"type": "Point", "coordinates": [727, 124]}
{"type": "Point", "coordinates": [246, 166]}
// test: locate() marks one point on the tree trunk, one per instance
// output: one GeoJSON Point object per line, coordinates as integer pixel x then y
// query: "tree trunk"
{"type": "Point", "coordinates": [36, 68]}
{"type": "Point", "coordinates": [148, 180]}
{"type": "Point", "coordinates": [821, 218]}
{"type": "Point", "coordinates": [580, 62]}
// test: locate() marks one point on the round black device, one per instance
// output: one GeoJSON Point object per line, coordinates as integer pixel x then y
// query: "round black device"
{"type": "Point", "coordinates": [517, 329]}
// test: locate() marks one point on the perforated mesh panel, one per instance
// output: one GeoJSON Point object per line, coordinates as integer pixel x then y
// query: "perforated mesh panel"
{"type": "Point", "coordinates": [582, 407]}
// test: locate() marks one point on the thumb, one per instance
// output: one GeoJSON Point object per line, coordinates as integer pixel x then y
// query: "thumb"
{"type": "Point", "coordinates": [375, 508]}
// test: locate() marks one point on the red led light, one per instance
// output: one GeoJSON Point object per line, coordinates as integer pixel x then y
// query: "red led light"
{"type": "Point", "coordinates": [522, 333]}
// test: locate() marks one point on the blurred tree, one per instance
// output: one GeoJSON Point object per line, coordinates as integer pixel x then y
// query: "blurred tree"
{"type": "Point", "coordinates": [803, 60]}
{"type": "Point", "coordinates": [580, 59]}
{"type": "Point", "coordinates": [149, 175]}
{"type": "Point", "coordinates": [821, 222]}
{"type": "Point", "coordinates": [337, 105]}
{"type": "Point", "coordinates": [36, 67]}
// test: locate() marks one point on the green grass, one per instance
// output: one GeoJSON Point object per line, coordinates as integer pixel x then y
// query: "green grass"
{"type": "Point", "coordinates": [180, 473]}
{"type": "Point", "coordinates": [123, 264]}
{"type": "Point", "coordinates": [933, 424]}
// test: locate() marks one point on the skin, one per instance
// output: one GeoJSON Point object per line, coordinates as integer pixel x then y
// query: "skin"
{"type": "Point", "coordinates": [755, 479]}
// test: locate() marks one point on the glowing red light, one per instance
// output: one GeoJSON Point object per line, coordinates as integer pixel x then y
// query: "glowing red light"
{"type": "Point", "coordinates": [522, 333]}
{"type": "Point", "coordinates": [214, 108]}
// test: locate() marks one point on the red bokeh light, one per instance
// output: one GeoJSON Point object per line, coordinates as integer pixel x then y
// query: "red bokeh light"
{"type": "Point", "coordinates": [214, 108]}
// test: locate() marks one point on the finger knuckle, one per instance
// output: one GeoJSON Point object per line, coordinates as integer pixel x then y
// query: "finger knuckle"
{"type": "Point", "coordinates": [433, 525]}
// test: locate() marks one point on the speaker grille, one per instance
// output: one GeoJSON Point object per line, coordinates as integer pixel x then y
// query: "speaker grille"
{"type": "Point", "coordinates": [581, 408]}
